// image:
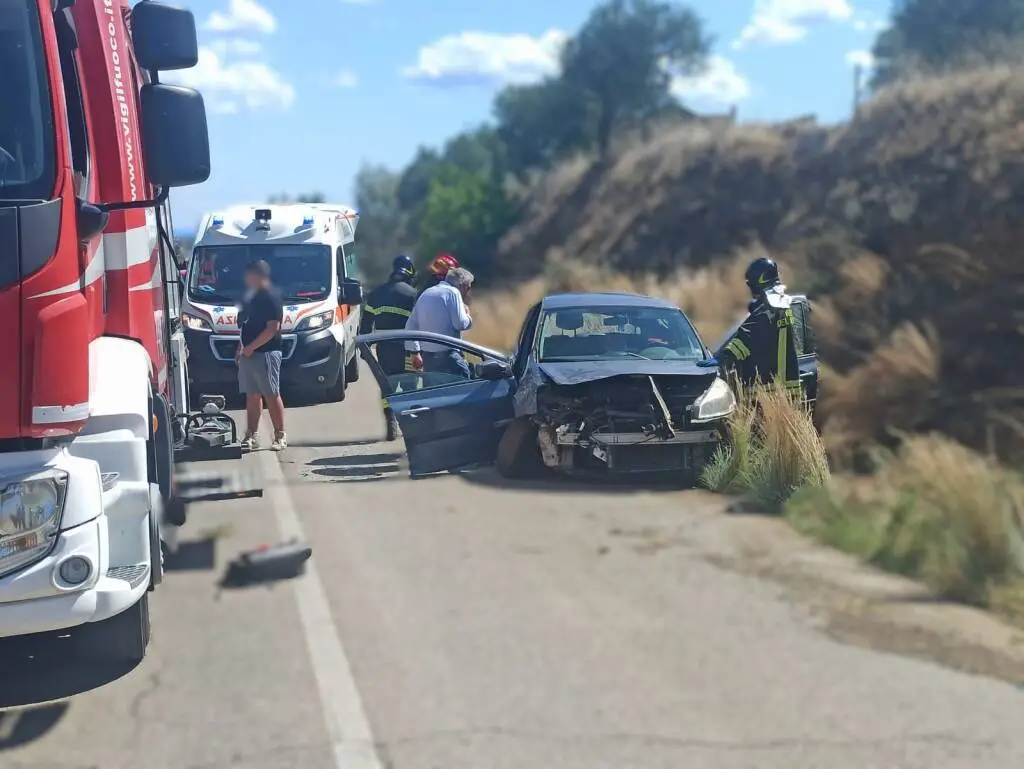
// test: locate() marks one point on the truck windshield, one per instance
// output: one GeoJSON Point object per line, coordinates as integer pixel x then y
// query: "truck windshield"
{"type": "Point", "coordinates": [27, 144]}
{"type": "Point", "coordinates": [302, 273]}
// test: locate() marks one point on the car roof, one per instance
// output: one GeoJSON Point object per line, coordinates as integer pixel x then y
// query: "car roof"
{"type": "Point", "coordinates": [598, 299]}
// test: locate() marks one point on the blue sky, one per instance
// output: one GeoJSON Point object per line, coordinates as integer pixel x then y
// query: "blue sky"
{"type": "Point", "coordinates": [301, 92]}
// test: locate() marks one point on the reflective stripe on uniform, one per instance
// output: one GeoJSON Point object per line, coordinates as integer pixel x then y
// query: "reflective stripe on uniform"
{"type": "Point", "coordinates": [739, 350]}
{"type": "Point", "coordinates": [387, 308]}
{"type": "Point", "coordinates": [783, 359]}
{"type": "Point", "coordinates": [393, 310]}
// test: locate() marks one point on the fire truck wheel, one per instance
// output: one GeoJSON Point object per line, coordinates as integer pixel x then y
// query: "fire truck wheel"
{"type": "Point", "coordinates": [162, 446]}
{"type": "Point", "coordinates": [156, 553]}
{"type": "Point", "coordinates": [121, 639]}
{"type": "Point", "coordinates": [352, 369]}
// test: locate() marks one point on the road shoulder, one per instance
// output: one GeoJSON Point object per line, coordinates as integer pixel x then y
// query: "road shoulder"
{"type": "Point", "coordinates": [858, 604]}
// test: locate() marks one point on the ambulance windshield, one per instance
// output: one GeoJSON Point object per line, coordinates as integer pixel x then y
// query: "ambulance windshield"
{"type": "Point", "coordinates": [301, 273]}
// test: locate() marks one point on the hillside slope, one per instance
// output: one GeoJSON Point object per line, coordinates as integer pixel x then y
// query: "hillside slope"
{"type": "Point", "coordinates": [906, 224]}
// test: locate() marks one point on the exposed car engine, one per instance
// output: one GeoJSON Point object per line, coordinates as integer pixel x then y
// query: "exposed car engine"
{"type": "Point", "coordinates": [631, 422]}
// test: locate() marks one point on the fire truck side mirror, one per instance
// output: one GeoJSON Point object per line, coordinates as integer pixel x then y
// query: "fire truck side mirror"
{"type": "Point", "coordinates": [175, 137]}
{"type": "Point", "coordinates": [164, 37]}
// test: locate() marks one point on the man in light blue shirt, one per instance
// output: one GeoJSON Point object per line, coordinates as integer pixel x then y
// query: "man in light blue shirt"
{"type": "Point", "coordinates": [441, 309]}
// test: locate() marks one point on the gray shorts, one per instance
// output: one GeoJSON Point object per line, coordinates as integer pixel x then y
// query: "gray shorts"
{"type": "Point", "coordinates": [260, 373]}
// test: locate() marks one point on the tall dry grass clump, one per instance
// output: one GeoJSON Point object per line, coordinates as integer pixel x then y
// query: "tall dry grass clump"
{"type": "Point", "coordinates": [936, 511]}
{"type": "Point", "coordinates": [773, 450]}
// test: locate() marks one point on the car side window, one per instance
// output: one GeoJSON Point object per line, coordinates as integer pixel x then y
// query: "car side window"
{"type": "Point", "coordinates": [439, 371]}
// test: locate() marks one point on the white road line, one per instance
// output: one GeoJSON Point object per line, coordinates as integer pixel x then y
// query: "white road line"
{"type": "Point", "coordinates": [352, 741]}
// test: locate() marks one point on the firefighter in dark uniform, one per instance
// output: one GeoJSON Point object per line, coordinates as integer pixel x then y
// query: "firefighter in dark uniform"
{"type": "Point", "coordinates": [763, 349]}
{"type": "Point", "coordinates": [387, 308]}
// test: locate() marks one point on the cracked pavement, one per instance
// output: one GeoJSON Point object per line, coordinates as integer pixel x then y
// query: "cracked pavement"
{"type": "Point", "coordinates": [504, 627]}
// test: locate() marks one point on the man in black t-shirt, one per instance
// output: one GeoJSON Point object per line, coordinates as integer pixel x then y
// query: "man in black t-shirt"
{"type": "Point", "coordinates": [259, 357]}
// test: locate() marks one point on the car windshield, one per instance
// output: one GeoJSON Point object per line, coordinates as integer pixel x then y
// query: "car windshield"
{"type": "Point", "coordinates": [614, 333]}
{"type": "Point", "coordinates": [301, 273]}
{"type": "Point", "coordinates": [27, 164]}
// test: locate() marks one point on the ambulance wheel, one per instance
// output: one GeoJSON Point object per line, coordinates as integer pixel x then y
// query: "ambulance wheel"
{"type": "Point", "coordinates": [122, 638]}
{"type": "Point", "coordinates": [336, 392]}
{"type": "Point", "coordinates": [352, 369]}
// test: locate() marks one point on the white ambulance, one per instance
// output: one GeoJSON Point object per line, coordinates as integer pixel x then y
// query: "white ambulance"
{"type": "Point", "coordinates": [311, 252]}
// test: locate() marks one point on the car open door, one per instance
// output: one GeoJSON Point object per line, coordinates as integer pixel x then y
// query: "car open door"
{"type": "Point", "coordinates": [447, 421]}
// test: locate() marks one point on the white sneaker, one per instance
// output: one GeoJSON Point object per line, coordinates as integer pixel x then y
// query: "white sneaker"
{"type": "Point", "coordinates": [280, 442]}
{"type": "Point", "coordinates": [250, 443]}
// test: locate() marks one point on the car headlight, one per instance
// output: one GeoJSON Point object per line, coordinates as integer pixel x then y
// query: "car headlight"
{"type": "Point", "coordinates": [30, 512]}
{"type": "Point", "coordinates": [716, 402]}
{"type": "Point", "coordinates": [319, 320]}
{"type": "Point", "coordinates": [195, 323]}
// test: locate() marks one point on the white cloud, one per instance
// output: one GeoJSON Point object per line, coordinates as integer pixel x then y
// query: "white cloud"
{"type": "Point", "coordinates": [861, 58]}
{"type": "Point", "coordinates": [483, 58]}
{"type": "Point", "coordinates": [720, 83]}
{"type": "Point", "coordinates": [235, 47]}
{"type": "Point", "coordinates": [345, 79]}
{"type": "Point", "coordinates": [787, 21]}
{"type": "Point", "coordinates": [242, 15]}
{"type": "Point", "coordinates": [230, 86]}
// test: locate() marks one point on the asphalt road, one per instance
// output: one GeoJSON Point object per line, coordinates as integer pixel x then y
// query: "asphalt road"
{"type": "Point", "coordinates": [459, 623]}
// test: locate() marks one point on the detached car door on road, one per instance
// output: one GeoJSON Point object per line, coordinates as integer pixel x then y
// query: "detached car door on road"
{"type": "Point", "coordinates": [448, 422]}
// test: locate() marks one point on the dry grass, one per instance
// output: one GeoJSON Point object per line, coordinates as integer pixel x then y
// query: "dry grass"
{"type": "Point", "coordinates": [936, 511]}
{"type": "Point", "coordinates": [906, 224]}
{"type": "Point", "coordinates": [713, 297]}
{"type": "Point", "coordinates": [773, 451]}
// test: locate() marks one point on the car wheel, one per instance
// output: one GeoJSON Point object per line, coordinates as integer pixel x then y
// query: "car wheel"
{"type": "Point", "coordinates": [518, 452]}
{"type": "Point", "coordinates": [122, 638]}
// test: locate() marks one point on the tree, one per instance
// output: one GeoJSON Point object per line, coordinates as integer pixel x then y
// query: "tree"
{"type": "Point", "coordinates": [466, 213]}
{"type": "Point", "coordinates": [541, 123]}
{"type": "Point", "coordinates": [625, 58]}
{"type": "Point", "coordinates": [380, 234]}
{"type": "Point", "coordinates": [938, 33]}
{"type": "Point", "coordinates": [479, 151]}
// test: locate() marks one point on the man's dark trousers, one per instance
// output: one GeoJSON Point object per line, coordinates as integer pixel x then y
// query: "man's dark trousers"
{"type": "Point", "coordinates": [446, 362]}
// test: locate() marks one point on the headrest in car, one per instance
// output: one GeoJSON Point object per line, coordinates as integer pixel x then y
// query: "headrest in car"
{"type": "Point", "coordinates": [569, 320]}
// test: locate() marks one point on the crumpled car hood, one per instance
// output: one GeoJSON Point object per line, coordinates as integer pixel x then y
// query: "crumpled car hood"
{"type": "Point", "coordinates": [578, 372]}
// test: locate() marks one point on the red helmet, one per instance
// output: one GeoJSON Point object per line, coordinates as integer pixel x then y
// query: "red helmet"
{"type": "Point", "coordinates": [442, 264]}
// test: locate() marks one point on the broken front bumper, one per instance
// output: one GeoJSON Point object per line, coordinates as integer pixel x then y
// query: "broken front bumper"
{"type": "Point", "coordinates": [686, 451]}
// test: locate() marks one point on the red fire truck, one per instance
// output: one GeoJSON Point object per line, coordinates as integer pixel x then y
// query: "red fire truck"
{"type": "Point", "coordinates": [93, 387]}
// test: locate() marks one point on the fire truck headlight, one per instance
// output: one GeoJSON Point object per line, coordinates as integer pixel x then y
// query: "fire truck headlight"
{"type": "Point", "coordinates": [30, 512]}
{"type": "Point", "coordinates": [195, 323]}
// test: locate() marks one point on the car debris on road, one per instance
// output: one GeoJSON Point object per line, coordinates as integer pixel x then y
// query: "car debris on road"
{"type": "Point", "coordinates": [267, 564]}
